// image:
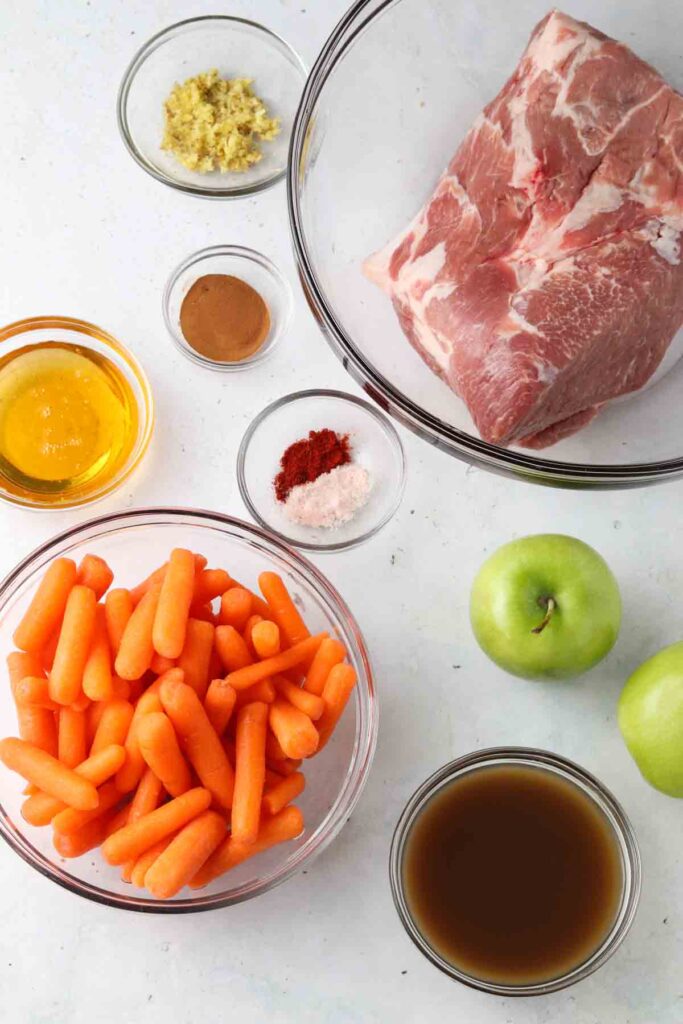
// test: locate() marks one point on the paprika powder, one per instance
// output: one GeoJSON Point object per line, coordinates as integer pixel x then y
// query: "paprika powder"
{"type": "Point", "coordinates": [311, 457]}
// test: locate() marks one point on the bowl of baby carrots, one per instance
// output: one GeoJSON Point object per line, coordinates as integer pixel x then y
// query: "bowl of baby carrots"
{"type": "Point", "coordinates": [187, 713]}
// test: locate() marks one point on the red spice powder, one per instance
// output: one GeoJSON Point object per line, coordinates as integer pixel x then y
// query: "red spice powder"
{"type": "Point", "coordinates": [307, 459]}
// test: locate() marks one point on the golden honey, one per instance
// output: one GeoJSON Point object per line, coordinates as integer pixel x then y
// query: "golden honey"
{"type": "Point", "coordinates": [68, 421]}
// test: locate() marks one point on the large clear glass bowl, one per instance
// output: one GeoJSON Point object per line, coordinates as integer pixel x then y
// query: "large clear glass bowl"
{"type": "Point", "coordinates": [393, 92]}
{"type": "Point", "coordinates": [134, 543]}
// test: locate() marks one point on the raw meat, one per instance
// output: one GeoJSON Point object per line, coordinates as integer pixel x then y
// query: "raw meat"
{"type": "Point", "coordinates": [544, 276]}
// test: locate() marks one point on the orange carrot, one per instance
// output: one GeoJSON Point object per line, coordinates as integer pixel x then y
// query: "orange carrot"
{"type": "Point", "coordinates": [148, 796]}
{"type": "Point", "coordinates": [250, 771]}
{"type": "Point", "coordinates": [219, 704]}
{"type": "Point", "coordinates": [94, 572]}
{"type": "Point", "coordinates": [134, 766]}
{"type": "Point", "coordinates": [170, 621]}
{"type": "Point", "coordinates": [135, 650]}
{"type": "Point", "coordinates": [82, 703]}
{"type": "Point", "coordinates": [33, 692]}
{"type": "Point", "coordinates": [286, 825]}
{"type": "Point", "coordinates": [144, 862]}
{"type": "Point", "coordinates": [200, 741]}
{"type": "Point", "coordinates": [252, 621]}
{"type": "Point", "coordinates": [97, 682]}
{"type": "Point", "coordinates": [121, 688]}
{"type": "Point", "coordinates": [93, 715]}
{"type": "Point", "coordinates": [117, 820]}
{"type": "Point", "coordinates": [113, 725]}
{"type": "Point", "coordinates": [274, 751]}
{"type": "Point", "coordinates": [232, 649]}
{"type": "Point", "coordinates": [244, 677]}
{"type": "Point", "coordinates": [70, 820]}
{"type": "Point", "coordinates": [286, 767]}
{"type": "Point", "coordinates": [159, 747]}
{"type": "Point", "coordinates": [36, 725]}
{"type": "Point", "coordinates": [236, 607]}
{"type": "Point", "coordinates": [47, 655]}
{"type": "Point", "coordinates": [303, 700]}
{"type": "Point", "coordinates": [283, 609]}
{"type": "Point", "coordinates": [278, 796]}
{"type": "Point", "coordinates": [330, 653]}
{"type": "Point", "coordinates": [154, 579]}
{"type": "Point", "coordinates": [87, 838]}
{"type": "Point", "coordinates": [185, 855]}
{"type": "Point", "coordinates": [40, 808]}
{"type": "Point", "coordinates": [263, 691]}
{"type": "Point", "coordinates": [73, 645]}
{"type": "Point", "coordinates": [118, 608]}
{"type": "Point", "coordinates": [294, 730]}
{"type": "Point", "coordinates": [49, 774]}
{"type": "Point", "coordinates": [46, 609]}
{"type": "Point", "coordinates": [265, 636]}
{"type": "Point", "coordinates": [137, 836]}
{"type": "Point", "coordinates": [71, 737]}
{"type": "Point", "coordinates": [209, 584]}
{"type": "Point", "coordinates": [203, 612]}
{"type": "Point", "coordinates": [196, 654]}
{"type": "Point", "coordinates": [338, 689]}
{"type": "Point", "coordinates": [160, 664]}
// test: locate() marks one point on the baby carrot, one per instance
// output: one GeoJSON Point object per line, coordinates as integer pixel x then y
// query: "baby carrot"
{"type": "Point", "coordinates": [47, 655]}
{"type": "Point", "coordinates": [45, 611]}
{"type": "Point", "coordinates": [265, 636]}
{"type": "Point", "coordinates": [87, 838]}
{"type": "Point", "coordinates": [282, 608]}
{"type": "Point", "coordinates": [113, 725]}
{"type": "Point", "coordinates": [137, 836]}
{"type": "Point", "coordinates": [285, 825]}
{"type": "Point", "coordinates": [145, 861]}
{"type": "Point", "coordinates": [73, 645]}
{"type": "Point", "coordinates": [148, 796]}
{"type": "Point", "coordinates": [263, 691]}
{"type": "Point", "coordinates": [118, 608]}
{"type": "Point", "coordinates": [97, 682]}
{"type": "Point", "coordinates": [159, 664]}
{"type": "Point", "coordinates": [71, 737]}
{"type": "Point", "coordinates": [209, 584]}
{"type": "Point", "coordinates": [204, 612]}
{"type": "Point", "coordinates": [196, 654]}
{"type": "Point", "coordinates": [185, 855]}
{"type": "Point", "coordinates": [33, 692]}
{"type": "Point", "coordinates": [49, 774]}
{"type": "Point", "coordinates": [154, 579]}
{"type": "Point", "coordinates": [283, 792]}
{"type": "Point", "coordinates": [82, 703]}
{"type": "Point", "coordinates": [236, 607]}
{"type": "Point", "coordinates": [232, 649]}
{"type": "Point", "coordinates": [21, 665]}
{"type": "Point", "coordinates": [294, 730]}
{"type": "Point", "coordinates": [219, 704]}
{"type": "Point", "coordinates": [274, 751]}
{"type": "Point", "coordinates": [159, 747]}
{"type": "Point", "coordinates": [170, 621]}
{"type": "Point", "coordinates": [252, 621]}
{"type": "Point", "coordinates": [94, 572]}
{"type": "Point", "coordinates": [136, 650]}
{"type": "Point", "coordinates": [93, 714]}
{"type": "Point", "coordinates": [36, 725]}
{"type": "Point", "coordinates": [338, 689]}
{"type": "Point", "coordinates": [330, 653]}
{"type": "Point", "coordinates": [121, 688]}
{"type": "Point", "coordinates": [117, 820]}
{"type": "Point", "coordinates": [244, 677]}
{"type": "Point", "coordinates": [284, 767]}
{"type": "Point", "coordinates": [200, 741]}
{"type": "Point", "coordinates": [134, 766]}
{"type": "Point", "coordinates": [250, 771]}
{"type": "Point", "coordinates": [303, 700]}
{"type": "Point", "coordinates": [40, 808]}
{"type": "Point", "coordinates": [70, 820]}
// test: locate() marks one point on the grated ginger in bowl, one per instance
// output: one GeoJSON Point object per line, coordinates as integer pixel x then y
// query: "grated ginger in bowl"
{"type": "Point", "coordinates": [211, 123]}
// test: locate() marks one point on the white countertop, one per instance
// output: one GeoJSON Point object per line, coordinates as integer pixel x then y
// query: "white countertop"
{"type": "Point", "coordinates": [86, 233]}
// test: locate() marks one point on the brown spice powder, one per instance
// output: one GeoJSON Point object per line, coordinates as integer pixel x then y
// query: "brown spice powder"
{"type": "Point", "coordinates": [224, 319]}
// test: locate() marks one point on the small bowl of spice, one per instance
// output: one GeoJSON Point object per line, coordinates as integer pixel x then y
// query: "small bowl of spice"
{"type": "Point", "coordinates": [323, 470]}
{"type": "Point", "coordinates": [227, 307]}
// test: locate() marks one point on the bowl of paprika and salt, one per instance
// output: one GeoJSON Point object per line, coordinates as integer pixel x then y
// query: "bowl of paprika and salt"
{"type": "Point", "coordinates": [226, 307]}
{"type": "Point", "coordinates": [321, 469]}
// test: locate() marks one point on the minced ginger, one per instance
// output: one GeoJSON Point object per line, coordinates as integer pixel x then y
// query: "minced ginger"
{"type": "Point", "coordinates": [211, 123]}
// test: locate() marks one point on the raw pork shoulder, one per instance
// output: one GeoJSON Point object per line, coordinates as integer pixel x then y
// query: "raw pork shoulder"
{"type": "Point", "coordinates": [544, 275]}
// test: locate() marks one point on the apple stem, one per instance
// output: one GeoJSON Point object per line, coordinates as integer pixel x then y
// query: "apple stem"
{"type": "Point", "coordinates": [549, 604]}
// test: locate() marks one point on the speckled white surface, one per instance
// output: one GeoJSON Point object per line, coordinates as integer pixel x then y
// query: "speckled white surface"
{"type": "Point", "coordinates": [85, 232]}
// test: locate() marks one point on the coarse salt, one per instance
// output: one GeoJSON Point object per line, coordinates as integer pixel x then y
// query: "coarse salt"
{"type": "Point", "coordinates": [332, 499]}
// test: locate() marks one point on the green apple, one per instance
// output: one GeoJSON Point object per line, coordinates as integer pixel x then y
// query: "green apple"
{"type": "Point", "coordinates": [545, 607]}
{"type": "Point", "coordinates": [651, 719]}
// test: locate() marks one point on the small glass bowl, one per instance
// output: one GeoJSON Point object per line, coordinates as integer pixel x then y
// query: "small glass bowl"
{"type": "Point", "coordinates": [237, 48]}
{"type": "Point", "coordinates": [375, 444]}
{"type": "Point", "coordinates": [134, 543]}
{"type": "Point", "coordinates": [252, 267]}
{"type": "Point", "coordinates": [541, 760]}
{"type": "Point", "coordinates": [40, 329]}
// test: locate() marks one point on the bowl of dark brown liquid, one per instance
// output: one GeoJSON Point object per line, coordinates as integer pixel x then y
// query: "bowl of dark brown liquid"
{"type": "Point", "coordinates": [515, 871]}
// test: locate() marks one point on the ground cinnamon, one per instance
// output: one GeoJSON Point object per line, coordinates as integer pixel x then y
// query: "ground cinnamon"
{"type": "Point", "coordinates": [224, 318]}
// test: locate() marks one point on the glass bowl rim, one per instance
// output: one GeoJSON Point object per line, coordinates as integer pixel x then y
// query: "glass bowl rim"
{"type": "Point", "coordinates": [465, 447]}
{"type": "Point", "coordinates": [294, 396]}
{"type": "Point", "coordinates": [139, 58]}
{"type": "Point", "coordinates": [241, 252]}
{"type": "Point", "coordinates": [145, 405]}
{"type": "Point", "coordinates": [547, 761]}
{"type": "Point", "coordinates": [366, 725]}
